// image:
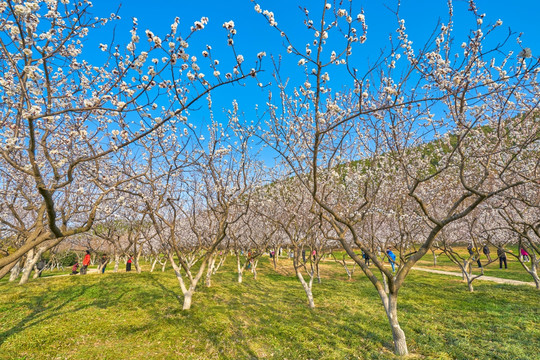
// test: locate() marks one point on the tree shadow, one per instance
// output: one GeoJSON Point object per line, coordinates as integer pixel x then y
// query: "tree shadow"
{"type": "Point", "coordinates": [37, 304]}
{"type": "Point", "coordinates": [168, 291]}
{"type": "Point", "coordinates": [64, 298]}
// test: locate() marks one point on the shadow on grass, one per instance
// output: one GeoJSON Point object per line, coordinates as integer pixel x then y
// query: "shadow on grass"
{"type": "Point", "coordinates": [272, 319]}
{"type": "Point", "coordinates": [66, 301]}
{"type": "Point", "coordinates": [38, 306]}
{"type": "Point", "coordinates": [166, 290]}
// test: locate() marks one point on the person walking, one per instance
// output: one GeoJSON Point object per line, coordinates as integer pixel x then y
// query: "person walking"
{"type": "Point", "coordinates": [391, 258]}
{"type": "Point", "coordinates": [85, 263]}
{"type": "Point", "coordinates": [502, 257]}
{"type": "Point", "coordinates": [487, 252]}
{"type": "Point", "coordinates": [475, 256]}
{"type": "Point", "coordinates": [104, 261]}
{"type": "Point", "coordinates": [366, 258]}
{"type": "Point", "coordinates": [40, 266]}
{"type": "Point", "coordinates": [524, 255]}
{"type": "Point", "coordinates": [128, 264]}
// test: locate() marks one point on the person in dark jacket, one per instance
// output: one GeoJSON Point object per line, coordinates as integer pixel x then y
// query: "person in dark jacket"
{"type": "Point", "coordinates": [487, 252]}
{"type": "Point", "coordinates": [366, 258]}
{"type": "Point", "coordinates": [40, 266]}
{"type": "Point", "coordinates": [502, 257]}
{"type": "Point", "coordinates": [104, 261]}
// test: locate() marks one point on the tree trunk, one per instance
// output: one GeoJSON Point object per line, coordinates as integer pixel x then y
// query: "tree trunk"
{"type": "Point", "coordinates": [464, 270]}
{"type": "Point", "coordinates": [153, 264]}
{"type": "Point", "coordinates": [15, 271]}
{"type": "Point", "coordinates": [398, 335]}
{"type": "Point", "coordinates": [470, 285]}
{"type": "Point", "coordinates": [239, 268]}
{"type": "Point", "coordinates": [116, 262]}
{"type": "Point", "coordinates": [385, 283]}
{"type": "Point", "coordinates": [534, 275]}
{"type": "Point", "coordinates": [163, 265]}
{"type": "Point", "coordinates": [31, 260]}
{"type": "Point", "coordinates": [210, 270]}
{"type": "Point", "coordinates": [536, 281]}
{"type": "Point", "coordinates": [254, 269]}
{"type": "Point", "coordinates": [187, 299]}
{"type": "Point", "coordinates": [37, 272]}
{"type": "Point", "coordinates": [136, 261]}
{"type": "Point", "coordinates": [307, 289]}
{"type": "Point", "coordinates": [221, 261]}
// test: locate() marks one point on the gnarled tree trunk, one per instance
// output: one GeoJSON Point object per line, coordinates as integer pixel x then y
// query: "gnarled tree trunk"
{"type": "Point", "coordinates": [31, 260]}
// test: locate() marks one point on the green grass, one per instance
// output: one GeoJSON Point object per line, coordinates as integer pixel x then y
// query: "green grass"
{"type": "Point", "coordinates": [139, 316]}
{"type": "Point", "coordinates": [515, 270]}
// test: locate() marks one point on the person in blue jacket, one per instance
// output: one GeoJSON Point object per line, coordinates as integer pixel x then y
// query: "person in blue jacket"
{"type": "Point", "coordinates": [391, 258]}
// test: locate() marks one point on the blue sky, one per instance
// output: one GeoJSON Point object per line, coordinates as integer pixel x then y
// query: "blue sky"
{"type": "Point", "coordinates": [255, 35]}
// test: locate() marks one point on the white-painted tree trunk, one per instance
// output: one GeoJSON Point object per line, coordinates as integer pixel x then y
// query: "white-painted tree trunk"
{"type": "Point", "coordinates": [187, 300]}
{"type": "Point", "coordinates": [31, 260]}
{"type": "Point", "coordinates": [221, 261]}
{"type": "Point", "coordinates": [163, 265]}
{"type": "Point", "coordinates": [307, 288]}
{"type": "Point", "coordinates": [210, 270]}
{"type": "Point", "coordinates": [533, 271]}
{"type": "Point", "coordinates": [116, 262]}
{"type": "Point", "coordinates": [136, 261]}
{"type": "Point", "coordinates": [254, 268]}
{"type": "Point", "coordinates": [37, 272]}
{"type": "Point", "coordinates": [398, 335]}
{"type": "Point", "coordinates": [154, 264]}
{"type": "Point", "coordinates": [188, 292]}
{"type": "Point", "coordinates": [15, 271]}
{"type": "Point", "coordinates": [239, 268]}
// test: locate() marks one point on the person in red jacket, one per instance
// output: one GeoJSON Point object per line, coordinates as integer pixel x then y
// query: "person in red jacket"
{"type": "Point", "coordinates": [74, 269]}
{"type": "Point", "coordinates": [85, 263]}
{"type": "Point", "coordinates": [128, 264]}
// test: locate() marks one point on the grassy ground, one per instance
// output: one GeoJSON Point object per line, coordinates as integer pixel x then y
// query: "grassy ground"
{"type": "Point", "coordinates": [130, 315]}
